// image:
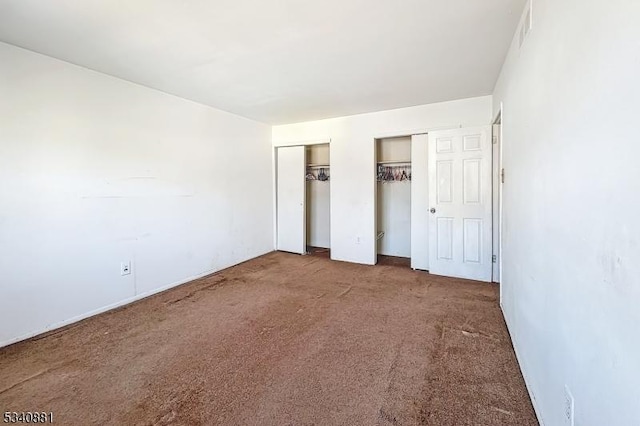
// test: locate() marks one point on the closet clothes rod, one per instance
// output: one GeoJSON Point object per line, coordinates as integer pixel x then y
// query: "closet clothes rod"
{"type": "Point", "coordinates": [317, 166]}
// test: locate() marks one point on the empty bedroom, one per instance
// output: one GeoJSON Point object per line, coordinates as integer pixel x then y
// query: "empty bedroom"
{"type": "Point", "coordinates": [218, 212]}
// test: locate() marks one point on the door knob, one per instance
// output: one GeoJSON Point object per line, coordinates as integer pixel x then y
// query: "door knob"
{"type": "Point", "coordinates": [432, 210]}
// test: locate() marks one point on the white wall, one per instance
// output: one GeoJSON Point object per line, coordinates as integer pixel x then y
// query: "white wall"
{"type": "Point", "coordinates": [353, 183]}
{"type": "Point", "coordinates": [571, 260]}
{"type": "Point", "coordinates": [318, 214]}
{"type": "Point", "coordinates": [394, 218]}
{"type": "Point", "coordinates": [96, 170]}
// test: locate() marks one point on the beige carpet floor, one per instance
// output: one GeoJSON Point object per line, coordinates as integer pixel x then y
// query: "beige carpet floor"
{"type": "Point", "coordinates": [281, 340]}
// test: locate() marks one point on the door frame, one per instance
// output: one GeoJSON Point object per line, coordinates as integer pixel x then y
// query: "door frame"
{"type": "Point", "coordinates": [498, 192]}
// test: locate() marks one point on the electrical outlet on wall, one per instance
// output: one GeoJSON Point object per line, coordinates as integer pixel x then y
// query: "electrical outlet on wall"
{"type": "Point", "coordinates": [125, 268]}
{"type": "Point", "coordinates": [568, 407]}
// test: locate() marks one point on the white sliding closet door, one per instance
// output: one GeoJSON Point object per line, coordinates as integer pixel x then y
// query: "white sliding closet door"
{"type": "Point", "coordinates": [420, 202]}
{"type": "Point", "coordinates": [460, 203]}
{"type": "Point", "coordinates": [291, 217]}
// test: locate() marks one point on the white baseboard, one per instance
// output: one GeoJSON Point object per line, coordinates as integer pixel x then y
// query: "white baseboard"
{"type": "Point", "coordinates": [523, 370]}
{"type": "Point", "coordinates": [118, 304]}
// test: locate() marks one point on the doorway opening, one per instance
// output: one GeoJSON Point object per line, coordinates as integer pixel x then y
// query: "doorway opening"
{"type": "Point", "coordinates": [393, 201]}
{"type": "Point", "coordinates": [318, 196]}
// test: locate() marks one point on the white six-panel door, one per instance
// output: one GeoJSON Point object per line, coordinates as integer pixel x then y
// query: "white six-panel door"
{"type": "Point", "coordinates": [290, 203]}
{"type": "Point", "coordinates": [460, 228]}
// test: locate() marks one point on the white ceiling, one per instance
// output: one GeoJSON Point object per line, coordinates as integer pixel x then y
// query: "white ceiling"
{"type": "Point", "coordinates": [279, 61]}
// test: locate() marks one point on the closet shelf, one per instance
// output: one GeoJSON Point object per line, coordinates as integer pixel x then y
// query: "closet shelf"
{"type": "Point", "coordinates": [317, 166]}
{"type": "Point", "coordinates": [382, 163]}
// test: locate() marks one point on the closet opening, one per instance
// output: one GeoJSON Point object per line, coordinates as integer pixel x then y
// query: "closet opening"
{"type": "Point", "coordinates": [393, 201]}
{"type": "Point", "coordinates": [318, 221]}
